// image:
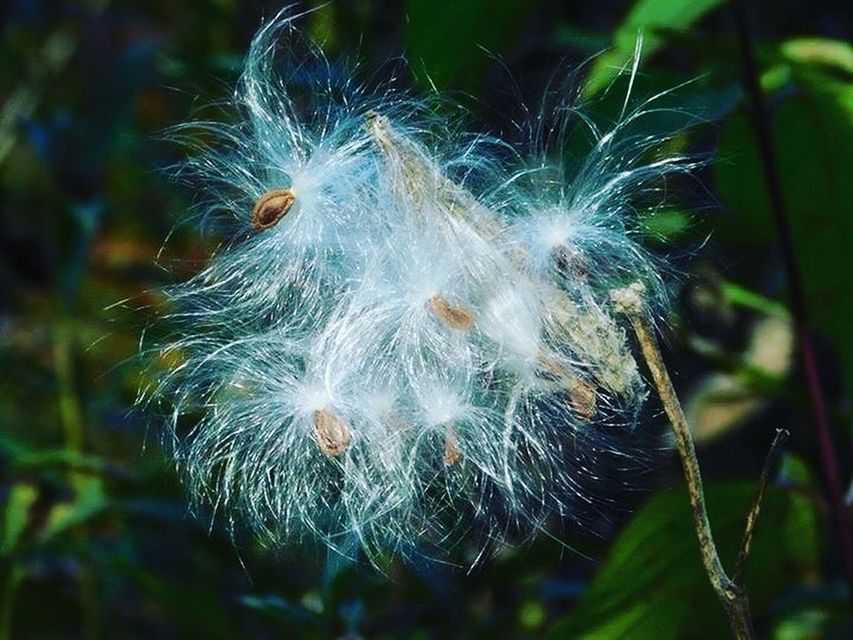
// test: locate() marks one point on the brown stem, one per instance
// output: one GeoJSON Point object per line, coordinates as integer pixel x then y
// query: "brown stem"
{"type": "Point", "coordinates": [734, 599]}
{"type": "Point", "coordinates": [752, 517]}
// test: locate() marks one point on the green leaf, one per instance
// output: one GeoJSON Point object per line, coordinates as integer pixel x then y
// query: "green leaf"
{"type": "Point", "coordinates": [740, 296]}
{"type": "Point", "coordinates": [653, 584]}
{"type": "Point", "coordinates": [665, 225]}
{"type": "Point", "coordinates": [451, 43]}
{"type": "Point", "coordinates": [813, 141]}
{"type": "Point", "coordinates": [89, 501]}
{"type": "Point", "coordinates": [834, 54]}
{"type": "Point", "coordinates": [284, 612]}
{"type": "Point", "coordinates": [794, 470]}
{"type": "Point", "coordinates": [21, 497]}
{"type": "Point", "coordinates": [802, 625]}
{"type": "Point", "coordinates": [652, 18]}
{"type": "Point", "coordinates": [196, 608]}
{"type": "Point", "coordinates": [58, 458]}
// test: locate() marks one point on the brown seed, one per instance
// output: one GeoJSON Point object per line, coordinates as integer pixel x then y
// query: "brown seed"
{"type": "Point", "coordinates": [272, 207]}
{"type": "Point", "coordinates": [333, 435]}
{"type": "Point", "coordinates": [454, 317]}
{"type": "Point", "coordinates": [451, 447]}
{"type": "Point", "coordinates": [582, 399]}
{"type": "Point", "coordinates": [582, 395]}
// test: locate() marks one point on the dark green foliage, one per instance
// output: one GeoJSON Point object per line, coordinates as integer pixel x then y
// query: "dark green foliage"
{"type": "Point", "coordinates": [96, 540]}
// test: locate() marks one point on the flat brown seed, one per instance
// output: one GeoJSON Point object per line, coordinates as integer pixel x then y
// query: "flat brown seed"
{"type": "Point", "coordinates": [272, 207]}
{"type": "Point", "coordinates": [333, 435]}
{"type": "Point", "coordinates": [549, 365]}
{"type": "Point", "coordinates": [582, 399]}
{"type": "Point", "coordinates": [454, 317]}
{"type": "Point", "coordinates": [451, 447]}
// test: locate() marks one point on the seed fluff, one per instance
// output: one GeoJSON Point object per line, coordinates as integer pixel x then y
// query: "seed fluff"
{"type": "Point", "coordinates": [407, 339]}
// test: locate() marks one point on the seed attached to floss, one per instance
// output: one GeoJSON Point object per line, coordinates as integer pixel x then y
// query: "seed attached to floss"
{"type": "Point", "coordinates": [271, 207]}
{"type": "Point", "coordinates": [454, 317]}
{"type": "Point", "coordinates": [582, 395]}
{"type": "Point", "coordinates": [333, 435]}
{"type": "Point", "coordinates": [377, 125]}
{"type": "Point", "coordinates": [451, 447]}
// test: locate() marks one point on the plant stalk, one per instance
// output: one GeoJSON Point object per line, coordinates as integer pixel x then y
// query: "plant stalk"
{"type": "Point", "coordinates": [760, 122]}
{"type": "Point", "coordinates": [73, 426]}
{"type": "Point", "coordinates": [732, 596]}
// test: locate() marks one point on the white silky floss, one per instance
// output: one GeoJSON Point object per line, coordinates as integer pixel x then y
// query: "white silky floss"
{"type": "Point", "coordinates": [408, 336]}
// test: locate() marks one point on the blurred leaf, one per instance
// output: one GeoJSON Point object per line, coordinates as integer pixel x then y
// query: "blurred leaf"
{"type": "Point", "coordinates": [725, 399]}
{"type": "Point", "coordinates": [813, 140]}
{"type": "Point", "coordinates": [58, 458]}
{"type": "Point", "coordinates": [794, 470]}
{"type": "Point", "coordinates": [653, 584]}
{"type": "Point", "coordinates": [282, 610]}
{"type": "Point", "coordinates": [740, 296]}
{"type": "Point", "coordinates": [721, 402]}
{"type": "Point", "coordinates": [775, 78]}
{"type": "Point", "coordinates": [665, 225]}
{"type": "Point", "coordinates": [821, 51]}
{"type": "Point", "coordinates": [802, 625]}
{"type": "Point", "coordinates": [322, 25]}
{"type": "Point", "coordinates": [531, 614]}
{"type": "Point", "coordinates": [450, 43]}
{"type": "Point", "coordinates": [652, 18]}
{"type": "Point", "coordinates": [196, 608]}
{"type": "Point", "coordinates": [88, 502]}
{"type": "Point", "coordinates": [21, 497]}
{"type": "Point", "coordinates": [801, 530]}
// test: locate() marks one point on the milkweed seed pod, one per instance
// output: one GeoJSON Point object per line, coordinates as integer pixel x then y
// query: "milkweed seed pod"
{"type": "Point", "coordinates": [408, 336]}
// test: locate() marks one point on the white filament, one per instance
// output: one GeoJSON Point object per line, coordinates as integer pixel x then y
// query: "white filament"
{"type": "Point", "coordinates": [441, 295]}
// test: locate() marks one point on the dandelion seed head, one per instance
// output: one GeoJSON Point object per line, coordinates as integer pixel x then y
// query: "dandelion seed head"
{"type": "Point", "coordinates": [407, 332]}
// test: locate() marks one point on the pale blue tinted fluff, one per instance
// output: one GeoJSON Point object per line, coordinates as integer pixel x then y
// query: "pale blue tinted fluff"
{"type": "Point", "coordinates": [421, 347]}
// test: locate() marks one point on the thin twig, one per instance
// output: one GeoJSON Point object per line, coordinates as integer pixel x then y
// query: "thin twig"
{"type": "Point", "coordinates": [752, 517]}
{"type": "Point", "coordinates": [760, 122]}
{"type": "Point", "coordinates": [734, 599]}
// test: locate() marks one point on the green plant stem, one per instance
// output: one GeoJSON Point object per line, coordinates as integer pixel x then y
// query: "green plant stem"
{"type": "Point", "coordinates": [73, 427]}
{"type": "Point", "coordinates": [70, 413]}
{"type": "Point", "coordinates": [14, 575]}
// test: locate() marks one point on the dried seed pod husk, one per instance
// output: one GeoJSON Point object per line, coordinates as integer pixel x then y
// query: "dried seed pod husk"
{"type": "Point", "coordinates": [601, 341]}
{"type": "Point", "coordinates": [332, 432]}
{"type": "Point", "coordinates": [272, 207]}
{"type": "Point", "coordinates": [599, 338]}
{"type": "Point", "coordinates": [423, 180]}
{"type": "Point", "coordinates": [582, 399]}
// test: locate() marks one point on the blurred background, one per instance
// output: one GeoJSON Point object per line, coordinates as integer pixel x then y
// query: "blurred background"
{"type": "Point", "coordinates": [96, 540]}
